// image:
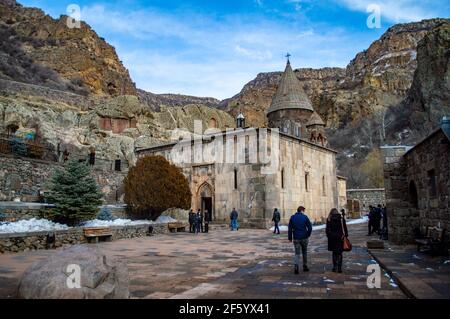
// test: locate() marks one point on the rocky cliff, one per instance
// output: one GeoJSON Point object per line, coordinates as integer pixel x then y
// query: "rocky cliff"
{"type": "Point", "coordinates": [374, 80]}
{"type": "Point", "coordinates": [155, 101]}
{"type": "Point", "coordinates": [68, 57]}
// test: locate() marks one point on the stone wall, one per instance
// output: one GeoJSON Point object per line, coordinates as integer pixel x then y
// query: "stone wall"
{"type": "Point", "coordinates": [367, 197]}
{"type": "Point", "coordinates": [23, 178]}
{"type": "Point", "coordinates": [258, 193]}
{"type": "Point", "coordinates": [19, 211]}
{"type": "Point", "coordinates": [411, 203]}
{"type": "Point", "coordinates": [38, 240]}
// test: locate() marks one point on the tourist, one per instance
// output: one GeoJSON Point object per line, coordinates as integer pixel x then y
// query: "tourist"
{"type": "Point", "coordinates": [336, 230]}
{"type": "Point", "coordinates": [378, 212]}
{"type": "Point", "coordinates": [198, 219]}
{"type": "Point", "coordinates": [384, 231]}
{"type": "Point", "coordinates": [371, 220]}
{"type": "Point", "coordinates": [299, 231]}
{"type": "Point", "coordinates": [234, 219]}
{"type": "Point", "coordinates": [191, 221]}
{"type": "Point", "coordinates": [343, 213]}
{"type": "Point", "coordinates": [276, 219]}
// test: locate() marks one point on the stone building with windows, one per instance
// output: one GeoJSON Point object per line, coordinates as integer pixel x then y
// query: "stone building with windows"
{"type": "Point", "coordinates": [304, 174]}
{"type": "Point", "coordinates": [417, 182]}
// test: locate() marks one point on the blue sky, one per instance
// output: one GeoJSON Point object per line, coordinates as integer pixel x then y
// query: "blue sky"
{"type": "Point", "coordinates": [213, 47]}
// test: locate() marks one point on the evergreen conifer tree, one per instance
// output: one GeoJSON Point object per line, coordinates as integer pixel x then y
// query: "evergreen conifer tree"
{"type": "Point", "coordinates": [74, 193]}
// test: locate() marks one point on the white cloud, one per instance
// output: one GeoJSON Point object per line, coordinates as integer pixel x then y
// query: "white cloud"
{"type": "Point", "coordinates": [196, 54]}
{"type": "Point", "coordinates": [398, 10]}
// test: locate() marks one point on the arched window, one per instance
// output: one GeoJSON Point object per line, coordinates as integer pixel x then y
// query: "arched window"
{"type": "Point", "coordinates": [235, 179]}
{"type": "Point", "coordinates": [413, 198]}
{"type": "Point", "coordinates": [282, 178]}
{"type": "Point", "coordinates": [212, 123]}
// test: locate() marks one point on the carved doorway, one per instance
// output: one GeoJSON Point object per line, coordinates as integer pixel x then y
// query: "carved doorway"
{"type": "Point", "coordinates": [205, 200]}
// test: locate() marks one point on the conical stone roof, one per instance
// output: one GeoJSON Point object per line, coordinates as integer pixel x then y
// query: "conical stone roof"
{"type": "Point", "coordinates": [290, 94]}
{"type": "Point", "coordinates": [315, 119]}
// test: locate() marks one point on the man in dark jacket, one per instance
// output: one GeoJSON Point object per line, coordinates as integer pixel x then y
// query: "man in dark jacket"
{"type": "Point", "coordinates": [371, 220]}
{"type": "Point", "coordinates": [377, 219]}
{"type": "Point", "coordinates": [191, 221]}
{"type": "Point", "coordinates": [233, 218]}
{"type": "Point", "coordinates": [300, 229]}
{"type": "Point", "coordinates": [198, 221]}
{"type": "Point", "coordinates": [384, 230]}
{"type": "Point", "coordinates": [276, 219]}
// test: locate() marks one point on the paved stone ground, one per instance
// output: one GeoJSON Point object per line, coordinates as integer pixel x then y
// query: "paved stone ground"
{"type": "Point", "coordinates": [420, 275]}
{"type": "Point", "coordinates": [224, 264]}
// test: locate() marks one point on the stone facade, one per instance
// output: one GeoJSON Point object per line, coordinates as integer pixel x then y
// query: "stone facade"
{"type": "Point", "coordinates": [367, 197]}
{"type": "Point", "coordinates": [23, 178]}
{"type": "Point", "coordinates": [306, 175]}
{"type": "Point", "coordinates": [38, 240]}
{"type": "Point", "coordinates": [417, 183]}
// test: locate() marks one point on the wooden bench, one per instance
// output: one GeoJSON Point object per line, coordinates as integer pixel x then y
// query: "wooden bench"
{"type": "Point", "coordinates": [434, 241]}
{"type": "Point", "coordinates": [94, 233]}
{"type": "Point", "coordinates": [176, 227]}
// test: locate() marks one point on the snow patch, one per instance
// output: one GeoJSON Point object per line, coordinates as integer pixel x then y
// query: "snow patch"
{"type": "Point", "coordinates": [361, 220]}
{"type": "Point", "coordinates": [31, 225]}
{"type": "Point", "coordinates": [127, 222]}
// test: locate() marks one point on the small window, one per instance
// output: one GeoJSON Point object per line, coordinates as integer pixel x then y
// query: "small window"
{"type": "Point", "coordinates": [212, 123]}
{"type": "Point", "coordinates": [324, 193]}
{"type": "Point", "coordinates": [307, 181]}
{"type": "Point", "coordinates": [235, 179]}
{"type": "Point", "coordinates": [432, 183]}
{"type": "Point", "coordinates": [282, 178]}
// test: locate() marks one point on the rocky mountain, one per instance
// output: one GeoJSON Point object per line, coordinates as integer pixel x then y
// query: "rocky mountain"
{"type": "Point", "coordinates": [429, 97]}
{"type": "Point", "coordinates": [68, 88]}
{"type": "Point", "coordinates": [155, 101]}
{"type": "Point", "coordinates": [52, 52]}
{"type": "Point", "coordinates": [395, 92]}
{"type": "Point", "coordinates": [374, 80]}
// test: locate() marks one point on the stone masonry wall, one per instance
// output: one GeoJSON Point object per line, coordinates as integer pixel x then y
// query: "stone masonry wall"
{"type": "Point", "coordinates": [431, 155]}
{"type": "Point", "coordinates": [367, 197]}
{"type": "Point", "coordinates": [20, 177]}
{"type": "Point", "coordinates": [38, 240]}
{"type": "Point", "coordinates": [402, 219]}
{"type": "Point", "coordinates": [410, 201]}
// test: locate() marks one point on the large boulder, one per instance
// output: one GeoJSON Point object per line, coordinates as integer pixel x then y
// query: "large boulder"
{"type": "Point", "coordinates": [179, 214]}
{"type": "Point", "coordinates": [102, 277]}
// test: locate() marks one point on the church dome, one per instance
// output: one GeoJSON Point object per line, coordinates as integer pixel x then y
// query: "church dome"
{"type": "Point", "coordinates": [290, 94]}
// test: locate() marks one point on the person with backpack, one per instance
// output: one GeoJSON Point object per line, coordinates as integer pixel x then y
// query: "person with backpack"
{"type": "Point", "coordinates": [276, 219]}
{"type": "Point", "coordinates": [299, 231]}
{"type": "Point", "coordinates": [336, 230]}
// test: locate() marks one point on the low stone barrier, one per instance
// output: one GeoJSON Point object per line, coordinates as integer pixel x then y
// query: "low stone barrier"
{"type": "Point", "coordinates": [16, 242]}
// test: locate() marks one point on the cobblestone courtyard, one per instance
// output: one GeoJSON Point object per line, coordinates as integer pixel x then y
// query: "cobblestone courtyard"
{"type": "Point", "coordinates": [224, 264]}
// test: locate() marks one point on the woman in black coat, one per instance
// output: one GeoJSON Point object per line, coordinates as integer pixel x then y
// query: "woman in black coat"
{"type": "Point", "coordinates": [336, 230]}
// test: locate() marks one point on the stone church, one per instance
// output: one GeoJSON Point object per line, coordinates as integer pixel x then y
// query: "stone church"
{"type": "Point", "coordinates": [305, 173]}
